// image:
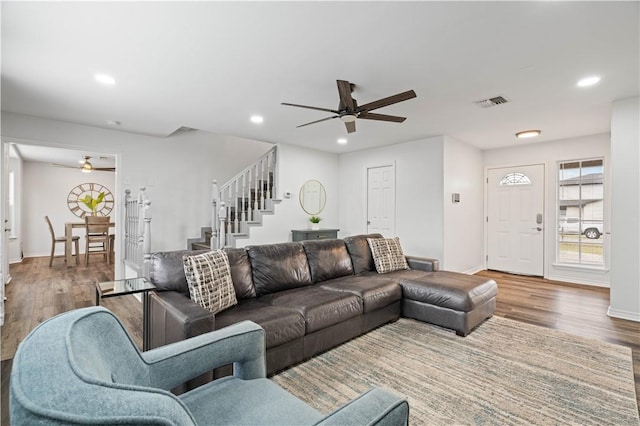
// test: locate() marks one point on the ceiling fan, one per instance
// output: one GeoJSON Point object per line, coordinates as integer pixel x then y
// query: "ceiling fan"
{"type": "Point", "coordinates": [349, 110]}
{"type": "Point", "coordinates": [86, 166]}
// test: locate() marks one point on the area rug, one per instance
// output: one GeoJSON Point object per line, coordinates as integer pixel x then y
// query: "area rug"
{"type": "Point", "coordinates": [504, 373]}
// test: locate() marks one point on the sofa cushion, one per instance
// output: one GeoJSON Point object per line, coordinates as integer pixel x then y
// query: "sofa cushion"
{"type": "Point", "coordinates": [166, 270]}
{"type": "Point", "coordinates": [360, 252]}
{"type": "Point", "coordinates": [241, 274]}
{"type": "Point", "coordinates": [387, 254]}
{"type": "Point", "coordinates": [327, 259]}
{"type": "Point", "coordinates": [375, 292]}
{"type": "Point", "coordinates": [281, 325]}
{"type": "Point", "coordinates": [278, 267]}
{"type": "Point", "coordinates": [453, 290]}
{"type": "Point", "coordinates": [321, 308]}
{"type": "Point", "coordinates": [209, 279]}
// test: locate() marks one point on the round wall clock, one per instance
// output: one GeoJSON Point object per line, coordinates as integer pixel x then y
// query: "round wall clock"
{"type": "Point", "coordinates": [90, 199]}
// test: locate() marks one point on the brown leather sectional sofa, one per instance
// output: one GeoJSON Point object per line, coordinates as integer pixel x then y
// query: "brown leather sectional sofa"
{"type": "Point", "coordinates": [313, 295]}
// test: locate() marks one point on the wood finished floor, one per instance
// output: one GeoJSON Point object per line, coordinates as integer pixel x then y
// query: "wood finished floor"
{"type": "Point", "coordinates": [38, 292]}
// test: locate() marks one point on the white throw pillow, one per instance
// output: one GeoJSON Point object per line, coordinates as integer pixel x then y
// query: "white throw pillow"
{"type": "Point", "coordinates": [387, 254]}
{"type": "Point", "coordinates": [209, 279]}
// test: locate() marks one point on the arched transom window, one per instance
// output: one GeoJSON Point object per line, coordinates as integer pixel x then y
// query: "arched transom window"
{"type": "Point", "coordinates": [515, 179]}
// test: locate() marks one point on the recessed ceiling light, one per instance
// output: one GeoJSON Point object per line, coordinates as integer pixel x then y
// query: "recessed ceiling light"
{"type": "Point", "coordinates": [589, 81]}
{"type": "Point", "coordinates": [342, 141]}
{"type": "Point", "coordinates": [105, 79]}
{"type": "Point", "coordinates": [528, 134]}
{"type": "Point", "coordinates": [257, 119]}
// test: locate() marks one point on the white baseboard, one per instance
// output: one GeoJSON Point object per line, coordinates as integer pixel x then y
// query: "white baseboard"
{"type": "Point", "coordinates": [578, 281]}
{"type": "Point", "coordinates": [474, 270]}
{"type": "Point", "coordinates": [626, 315]}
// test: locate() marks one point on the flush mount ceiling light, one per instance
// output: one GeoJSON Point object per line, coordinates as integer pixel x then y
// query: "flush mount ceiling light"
{"type": "Point", "coordinates": [257, 119]}
{"type": "Point", "coordinates": [588, 81]}
{"type": "Point", "coordinates": [528, 134]}
{"type": "Point", "coordinates": [105, 79]}
{"type": "Point", "coordinates": [342, 141]}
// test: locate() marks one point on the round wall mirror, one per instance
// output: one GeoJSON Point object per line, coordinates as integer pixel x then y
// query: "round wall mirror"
{"type": "Point", "coordinates": [313, 197]}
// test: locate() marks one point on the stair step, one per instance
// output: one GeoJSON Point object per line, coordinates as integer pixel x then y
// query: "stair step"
{"type": "Point", "coordinates": [200, 246]}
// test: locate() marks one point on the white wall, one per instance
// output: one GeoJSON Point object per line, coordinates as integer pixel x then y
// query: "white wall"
{"type": "Point", "coordinates": [297, 165]}
{"type": "Point", "coordinates": [463, 225]}
{"type": "Point", "coordinates": [419, 193]}
{"type": "Point", "coordinates": [45, 194]}
{"type": "Point", "coordinates": [177, 170]}
{"type": "Point", "coordinates": [549, 154]}
{"type": "Point", "coordinates": [625, 208]}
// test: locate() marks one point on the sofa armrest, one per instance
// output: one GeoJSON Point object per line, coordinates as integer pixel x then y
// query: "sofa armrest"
{"type": "Point", "coordinates": [374, 407]}
{"type": "Point", "coordinates": [174, 317]}
{"type": "Point", "coordinates": [423, 263]}
{"type": "Point", "coordinates": [242, 344]}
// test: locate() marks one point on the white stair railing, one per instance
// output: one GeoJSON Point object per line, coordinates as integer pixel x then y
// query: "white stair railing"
{"type": "Point", "coordinates": [137, 232]}
{"type": "Point", "coordinates": [243, 198]}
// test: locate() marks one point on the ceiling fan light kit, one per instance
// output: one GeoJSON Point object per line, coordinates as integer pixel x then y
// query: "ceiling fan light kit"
{"type": "Point", "coordinates": [86, 166]}
{"type": "Point", "coordinates": [349, 111]}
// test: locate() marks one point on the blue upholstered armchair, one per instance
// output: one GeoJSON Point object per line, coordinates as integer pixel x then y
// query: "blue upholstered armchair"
{"type": "Point", "coordinates": [82, 367]}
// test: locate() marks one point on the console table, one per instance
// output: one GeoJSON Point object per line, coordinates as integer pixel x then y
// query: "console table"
{"type": "Point", "coordinates": [129, 286]}
{"type": "Point", "coordinates": [310, 234]}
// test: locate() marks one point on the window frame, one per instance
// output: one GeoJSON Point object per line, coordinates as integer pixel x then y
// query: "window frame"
{"type": "Point", "coordinates": [580, 263]}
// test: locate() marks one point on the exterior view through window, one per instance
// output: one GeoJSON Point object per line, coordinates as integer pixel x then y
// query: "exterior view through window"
{"type": "Point", "coordinates": [581, 212]}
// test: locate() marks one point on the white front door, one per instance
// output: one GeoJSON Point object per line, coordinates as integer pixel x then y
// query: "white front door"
{"type": "Point", "coordinates": [515, 221]}
{"type": "Point", "coordinates": [381, 200]}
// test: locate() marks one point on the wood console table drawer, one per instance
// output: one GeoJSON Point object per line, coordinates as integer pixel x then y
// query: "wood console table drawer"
{"type": "Point", "coordinates": [309, 234]}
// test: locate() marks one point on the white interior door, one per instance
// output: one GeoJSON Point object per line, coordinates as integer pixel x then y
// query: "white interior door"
{"type": "Point", "coordinates": [381, 200]}
{"type": "Point", "coordinates": [515, 221]}
{"type": "Point", "coordinates": [4, 219]}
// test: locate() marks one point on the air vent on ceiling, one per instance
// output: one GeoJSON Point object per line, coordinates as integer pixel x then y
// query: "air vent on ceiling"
{"type": "Point", "coordinates": [488, 103]}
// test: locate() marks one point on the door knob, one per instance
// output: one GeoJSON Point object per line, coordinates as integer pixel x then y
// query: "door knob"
{"type": "Point", "coordinates": [538, 228]}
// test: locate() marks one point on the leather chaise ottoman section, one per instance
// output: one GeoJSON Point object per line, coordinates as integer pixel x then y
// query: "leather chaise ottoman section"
{"type": "Point", "coordinates": [320, 308]}
{"type": "Point", "coordinates": [375, 293]}
{"type": "Point", "coordinates": [460, 292]}
{"type": "Point", "coordinates": [281, 325]}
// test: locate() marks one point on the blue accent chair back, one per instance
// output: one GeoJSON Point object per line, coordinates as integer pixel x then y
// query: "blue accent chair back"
{"type": "Point", "coordinates": [82, 367]}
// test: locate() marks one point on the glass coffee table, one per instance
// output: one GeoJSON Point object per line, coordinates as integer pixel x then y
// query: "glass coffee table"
{"type": "Point", "coordinates": [115, 288]}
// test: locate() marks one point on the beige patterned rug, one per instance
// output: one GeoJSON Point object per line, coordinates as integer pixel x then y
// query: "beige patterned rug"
{"type": "Point", "coordinates": [504, 373]}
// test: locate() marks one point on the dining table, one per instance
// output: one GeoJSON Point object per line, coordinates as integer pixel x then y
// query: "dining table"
{"type": "Point", "coordinates": [68, 234]}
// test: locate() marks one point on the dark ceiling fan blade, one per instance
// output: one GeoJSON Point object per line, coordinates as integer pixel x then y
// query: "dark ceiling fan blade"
{"type": "Point", "coordinates": [351, 126]}
{"type": "Point", "coordinates": [311, 107]}
{"type": "Point", "coordinates": [105, 169]}
{"type": "Point", "coordinates": [318, 121]}
{"type": "Point", "coordinates": [63, 165]}
{"type": "Point", "coordinates": [344, 90]}
{"type": "Point", "coordinates": [388, 101]}
{"type": "Point", "coordinates": [381, 117]}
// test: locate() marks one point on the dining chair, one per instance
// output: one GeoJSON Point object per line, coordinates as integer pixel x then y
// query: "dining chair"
{"type": "Point", "coordinates": [55, 240]}
{"type": "Point", "coordinates": [97, 237]}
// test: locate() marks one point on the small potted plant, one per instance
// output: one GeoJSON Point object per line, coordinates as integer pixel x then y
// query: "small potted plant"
{"type": "Point", "coordinates": [315, 222]}
{"type": "Point", "coordinates": [92, 203]}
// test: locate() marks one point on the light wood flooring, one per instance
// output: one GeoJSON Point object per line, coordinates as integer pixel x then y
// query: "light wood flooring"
{"type": "Point", "coordinates": [38, 292]}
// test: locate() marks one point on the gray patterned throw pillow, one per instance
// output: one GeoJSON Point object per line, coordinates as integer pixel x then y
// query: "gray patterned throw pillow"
{"type": "Point", "coordinates": [387, 254]}
{"type": "Point", "coordinates": [209, 279]}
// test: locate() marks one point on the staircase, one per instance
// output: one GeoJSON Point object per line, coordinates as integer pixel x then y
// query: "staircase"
{"type": "Point", "coordinates": [240, 204]}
